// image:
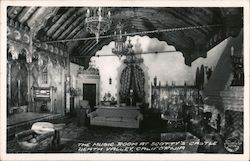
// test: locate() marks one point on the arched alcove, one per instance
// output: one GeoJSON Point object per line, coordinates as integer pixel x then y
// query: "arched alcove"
{"type": "Point", "coordinates": [166, 66]}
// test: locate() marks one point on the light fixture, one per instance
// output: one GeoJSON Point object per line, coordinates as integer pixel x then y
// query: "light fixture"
{"type": "Point", "coordinates": [110, 80]}
{"type": "Point", "coordinates": [97, 22]}
{"type": "Point", "coordinates": [120, 46]}
{"type": "Point", "coordinates": [131, 57]}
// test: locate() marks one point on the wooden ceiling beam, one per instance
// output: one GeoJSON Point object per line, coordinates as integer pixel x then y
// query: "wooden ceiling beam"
{"type": "Point", "coordinates": [98, 46]}
{"type": "Point", "coordinates": [201, 21]}
{"type": "Point", "coordinates": [9, 8]}
{"type": "Point", "coordinates": [81, 45]}
{"type": "Point", "coordinates": [73, 44]}
{"type": "Point", "coordinates": [85, 48]}
{"type": "Point", "coordinates": [186, 19]}
{"type": "Point", "coordinates": [94, 44]}
{"type": "Point", "coordinates": [68, 23]}
{"type": "Point", "coordinates": [26, 13]}
{"type": "Point", "coordinates": [169, 20]}
{"type": "Point", "coordinates": [66, 32]}
{"type": "Point", "coordinates": [59, 23]}
{"type": "Point", "coordinates": [37, 21]}
{"type": "Point", "coordinates": [204, 15]}
{"type": "Point", "coordinates": [31, 15]}
{"type": "Point", "coordinates": [14, 11]}
{"type": "Point", "coordinates": [76, 30]}
{"type": "Point", "coordinates": [53, 20]}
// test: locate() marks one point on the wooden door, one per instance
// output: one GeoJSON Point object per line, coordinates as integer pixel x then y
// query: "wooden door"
{"type": "Point", "coordinates": [89, 93]}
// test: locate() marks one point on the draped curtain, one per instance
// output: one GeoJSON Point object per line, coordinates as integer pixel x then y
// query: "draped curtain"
{"type": "Point", "coordinates": [125, 83]}
{"type": "Point", "coordinates": [139, 81]}
{"type": "Point", "coordinates": [132, 77]}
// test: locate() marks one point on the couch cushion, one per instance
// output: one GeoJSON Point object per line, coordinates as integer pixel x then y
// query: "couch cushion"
{"type": "Point", "coordinates": [124, 119]}
{"type": "Point", "coordinates": [113, 119]}
{"type": "Point", "coordinates": [100, 118]}
{"type": "Point", "coordinates": [128, 113]}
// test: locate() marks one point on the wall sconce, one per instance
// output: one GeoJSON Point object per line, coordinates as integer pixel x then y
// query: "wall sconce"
{"type": "Point", "coordinates": [110, 80]}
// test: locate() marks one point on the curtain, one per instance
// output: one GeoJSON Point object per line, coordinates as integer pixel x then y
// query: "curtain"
{"type": "Point", "coordinates": [125, 84]}
{"type": "Point", "coordinates": [139, 82]}
{"type": "Point", "coordinates": [132, 77]}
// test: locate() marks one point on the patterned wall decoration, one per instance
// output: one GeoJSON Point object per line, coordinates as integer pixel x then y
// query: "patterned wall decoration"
{"type": "Point", "coordinates": [27, 58]}
{"type": "Point", "coordinates": [163, 96]}
{"type": "Point", "coordinates": [125, 84]}
{"type": "Point", "coordinates": [132, 77]}
{"type": "Point", "coordinates": [19, 86]}
{"type": "Point", "coordinates": [139, 82]}
{"type": "Point", "coordinates": [35, 73]}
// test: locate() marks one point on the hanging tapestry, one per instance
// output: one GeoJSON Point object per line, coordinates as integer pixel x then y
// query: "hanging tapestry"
{"type": "Point", "coordinates": [132, 78]}
{"type": "Point", "coordinates": [125, 84]}
{"type": "Point", "coordinates": [139, 81]}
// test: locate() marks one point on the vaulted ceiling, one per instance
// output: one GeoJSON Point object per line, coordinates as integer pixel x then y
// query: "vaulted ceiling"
{"type": "Point", "coordinates": [64, 23]}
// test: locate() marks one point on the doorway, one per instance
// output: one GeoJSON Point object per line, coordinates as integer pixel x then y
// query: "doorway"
{"type": "Point", "coordinates": [89, 93]}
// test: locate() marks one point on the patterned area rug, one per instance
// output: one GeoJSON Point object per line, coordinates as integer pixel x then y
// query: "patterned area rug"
{"type": "Point", "coordinates": [98, 139]}
{"type": "Point", "coordinates": [101, 138]}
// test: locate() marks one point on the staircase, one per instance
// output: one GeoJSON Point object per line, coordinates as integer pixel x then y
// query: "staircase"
{"type": "Point", "coordinates": [222, 76]}
{"type": "Point", "coordinates": [221, 96]}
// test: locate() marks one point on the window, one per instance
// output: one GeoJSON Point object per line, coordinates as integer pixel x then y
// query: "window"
{"type": "Point", "coordinates": [45, 75]}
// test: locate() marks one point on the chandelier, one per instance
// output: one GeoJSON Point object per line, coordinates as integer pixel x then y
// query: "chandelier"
{"type": "Point", "coordinates": [97, 22]}
{"type": "Point", "coordinates": [120, 47]}
{"type": "Point", "coordinates": [131, 56]}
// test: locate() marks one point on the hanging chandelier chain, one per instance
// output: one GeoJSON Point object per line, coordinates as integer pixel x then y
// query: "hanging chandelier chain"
{"type": "Point", "coordinates": [139, 33]}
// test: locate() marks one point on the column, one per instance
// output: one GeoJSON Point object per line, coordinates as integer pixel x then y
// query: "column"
{"type": "Point", "coordinates": [68, 85]}
{"type": "Point", "coordinates": [29, 68]}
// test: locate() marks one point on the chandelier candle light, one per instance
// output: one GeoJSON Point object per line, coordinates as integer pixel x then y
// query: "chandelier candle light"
{"type": "Point", "coordinates": [120, 46]}
{"type": "Point", "coordinates": [97, 23]}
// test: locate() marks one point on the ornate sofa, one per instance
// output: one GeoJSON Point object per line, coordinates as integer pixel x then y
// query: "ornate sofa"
{"type": "Point", "coordinates": [127, 117]}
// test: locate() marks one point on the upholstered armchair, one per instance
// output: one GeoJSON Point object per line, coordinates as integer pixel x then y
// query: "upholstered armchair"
{"type": "Point", "coordinates": [38, 138]}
